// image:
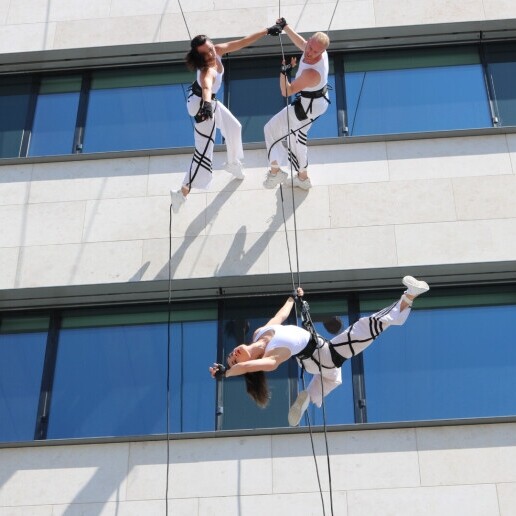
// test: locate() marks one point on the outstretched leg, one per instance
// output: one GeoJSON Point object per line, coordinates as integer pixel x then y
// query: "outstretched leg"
{"type": "Point", "coordinates": [354, 340]}
{"type": "Point", "coordinates": [362, 333]}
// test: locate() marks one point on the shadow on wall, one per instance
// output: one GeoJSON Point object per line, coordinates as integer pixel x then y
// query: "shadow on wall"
{"type": "Point", "coordinates": [238, 261]}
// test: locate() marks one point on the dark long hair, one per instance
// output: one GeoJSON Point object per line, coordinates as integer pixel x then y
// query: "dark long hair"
{"type": "Point", "coordinates": [194, 59]}
{"type": "Point", "coordinates": [257, 388]}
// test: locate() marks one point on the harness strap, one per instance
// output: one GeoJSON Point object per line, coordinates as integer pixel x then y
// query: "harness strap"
{"type": "Point", "coordinates": [196, 90]}
{"type": "Point", "coordinates": [314, 94]}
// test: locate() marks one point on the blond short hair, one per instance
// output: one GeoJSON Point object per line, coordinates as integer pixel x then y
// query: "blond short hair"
{"type": "Point", "coordinates": [322, 38]}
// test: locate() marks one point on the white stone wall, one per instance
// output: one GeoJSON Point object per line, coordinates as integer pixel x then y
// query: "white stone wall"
{"type": "Point", "coordinates": [373, 205]}
{"type": "Point", "coordinates": [438, 471]}
{"type": "Point", "coordinates": [32, 25]}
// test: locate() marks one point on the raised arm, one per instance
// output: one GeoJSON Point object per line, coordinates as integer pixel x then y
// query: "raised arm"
{"type": "Point", "coordinates": [283, 313]}
{"type": "Point", "coordinates": [238, 44]}
{"type": "Point", "coordinates": [298, 40]}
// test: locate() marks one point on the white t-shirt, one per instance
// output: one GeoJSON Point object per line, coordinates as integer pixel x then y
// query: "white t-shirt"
{"type": "Point", "coordinates": [291, 337]}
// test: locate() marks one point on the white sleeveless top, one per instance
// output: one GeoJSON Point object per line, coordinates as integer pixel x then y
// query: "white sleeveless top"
{"type": "Point", "coordinates": [322, 67]}
{"type": "Point", "coordinates": [218, 78]}
{"type": "Point", "coordinates": [291, 337]}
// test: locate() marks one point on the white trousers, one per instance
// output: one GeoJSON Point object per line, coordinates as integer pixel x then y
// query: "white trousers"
{"type": "Point", "coordinates": [200, 173]}
{"type": "Point", "coordinates": [276, 131]}
{"type": "Point", "coordinates": [349, 343]}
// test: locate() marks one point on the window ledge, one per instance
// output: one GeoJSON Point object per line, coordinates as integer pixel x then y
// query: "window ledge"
{"type": "Point", "coordinates": [458, 133]}
{"type": "Point", "coordinates": [265, 431]}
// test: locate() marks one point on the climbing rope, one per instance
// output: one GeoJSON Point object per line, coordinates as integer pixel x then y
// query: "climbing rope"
{"type": "Point", "coordinates": [305, 311]}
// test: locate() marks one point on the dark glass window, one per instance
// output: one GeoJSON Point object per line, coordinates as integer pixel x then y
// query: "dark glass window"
{"type": "Point", "coordinates": [241, 318]}
{"type": "Point", "coordinates": [501, 58]}
{"type": "Point", "coordinates": [415, 90]}
{"type": "Point", "coordinates": [110, 377]}
{"type": "Point", "coordinates": [55, 117]}
{"type": "Point", "coordinates": [138, 109]}
{"type": "Point", "coordinates": [22, 353]}
{"type": "Point", "coordinates": [255, 97]}
{"type": "Point", "coordinates": [339, 403]}
{"type": "Point", "coordinates": [14, 104]}
{"type": "Point", "coordinates": [453, 358]}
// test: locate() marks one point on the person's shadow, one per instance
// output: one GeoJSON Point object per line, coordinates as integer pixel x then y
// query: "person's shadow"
{"type": "Point", "coordinates": [238, 260]}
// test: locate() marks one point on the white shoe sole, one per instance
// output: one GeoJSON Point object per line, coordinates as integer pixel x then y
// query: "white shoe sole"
{"type": "Point", "coordinates": [415, 287]}
{"type": "Point", "coordinates": [298, 408]}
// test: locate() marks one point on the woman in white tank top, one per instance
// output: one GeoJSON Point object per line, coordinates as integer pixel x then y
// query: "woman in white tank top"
{"type": "Point", "coordinates": [210, 114]}
{"type": "Point", "coordinates": [274, 344]}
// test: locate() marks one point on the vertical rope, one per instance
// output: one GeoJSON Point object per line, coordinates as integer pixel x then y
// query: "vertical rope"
{"type": "Point", "coordinates": [183, 14]}
{"type": "Point", "coordinates": [169, 316]}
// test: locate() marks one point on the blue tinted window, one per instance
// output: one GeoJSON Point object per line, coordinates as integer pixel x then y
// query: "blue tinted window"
{"type": "Point", "coordinates": [428, 90]}
{"type": "Point", "coordinates": [255, 97]}
{"type": "Point", "coordinates": [55, 117]}
{"type": "Point", "coordinates": [111, 380]}
{"type": "Point", "coordinates": [444, 363]}
{"type": "Point", "coordinates": [339, 403]}
{"type": "Point", "coordinates": [21, 365]}
{"type": "Point", "coordinates": [138, 110]}
{"type": "Point", "coordinates": [14, 103]}
{"type": "Point", "coordinates": [502, 70]}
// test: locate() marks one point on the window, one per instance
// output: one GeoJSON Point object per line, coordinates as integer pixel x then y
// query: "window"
{"type": "Point", "coordinates": [453, 358]}
{"type": "Point", "coordinates": [501, 58]}
{"type": "Point", "coordinates": [241, 318]}
{"type": "Point", "coordinates": [15, 96]}
{"type": "Point", "coordinates": [255, 97]}
{"type": "Point", "coordinates": [110, 377]}
{"type": "Point", "coordinates": [55, 116]}
{"type": "Point", "coordinates": [415, 90]}
{"type": "Point", "coordinates": [138, 109]}
{"type": "Point", "coordinates": [339, 404]}
{"type": "Point", "coordinates": [22, 353]}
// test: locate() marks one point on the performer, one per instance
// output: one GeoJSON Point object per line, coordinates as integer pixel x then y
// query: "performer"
{"type": "Point", "coordinates": [311, 101]}
{"type": "Point", "coordinates": [209, 113]}
{"type": "Point", "coordinates": [274, 344]}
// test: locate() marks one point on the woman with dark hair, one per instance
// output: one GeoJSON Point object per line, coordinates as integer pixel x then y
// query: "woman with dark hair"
{"type": "Point", "coordinates": [274, 344]}
{"type": "Point", "coordinates": [209, 113]}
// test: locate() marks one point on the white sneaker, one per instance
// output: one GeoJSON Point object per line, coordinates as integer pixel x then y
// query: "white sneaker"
{"type": "Point", "coordinates": [273, 180]}
{"type": "Point", "coordinates": [304, 184]}
{"type": "Point", "coordinates": [177, 199]}
{"type": "Point", "coordinates": [236, 169]}
{"type": "Point", "coordinates": [415, 287]}
{"type": "Point", "coordinates": [298, 408]}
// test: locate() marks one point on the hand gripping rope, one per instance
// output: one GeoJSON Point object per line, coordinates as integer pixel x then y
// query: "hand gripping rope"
{"type": "Point", "coordinates": [304, 307]}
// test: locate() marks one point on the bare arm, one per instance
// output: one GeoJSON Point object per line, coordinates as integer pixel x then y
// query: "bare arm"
{"type": "Point", "coordinates": [307, 79]}
{"type": "Point", "coordinates": [283, 313]}
{"type": "Point", "coordinates": [298, 40]}
{"type": "Point", "coordinates": [251, 366]}
{"type": "Point", "coordinates": [206, 79]}
{"type": "Point", "coordinates": [238, 44]}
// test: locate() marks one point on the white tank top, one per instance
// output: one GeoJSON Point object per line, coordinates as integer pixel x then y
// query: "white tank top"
{"type": "Point", "coordinates": [218, 78]}
{"type": "Point", "coordinates": [291, 337]}
{"type": "Point", "coordinates": [322, 67]}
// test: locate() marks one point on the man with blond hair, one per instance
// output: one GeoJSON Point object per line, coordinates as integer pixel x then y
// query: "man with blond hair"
{"type": "Point", "coordinates": [294, 121]}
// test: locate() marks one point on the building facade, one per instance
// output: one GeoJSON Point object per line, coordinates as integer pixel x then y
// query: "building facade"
{"type": "Point", "coordinates": [112, 307]}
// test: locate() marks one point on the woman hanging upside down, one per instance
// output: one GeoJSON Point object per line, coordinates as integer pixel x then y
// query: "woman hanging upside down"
{"type": "Point", "coordinates": [274, 344]}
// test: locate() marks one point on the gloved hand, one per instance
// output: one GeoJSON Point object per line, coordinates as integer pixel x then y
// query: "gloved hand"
{"type": "Point", "coordinates": [205, 112]}
{"type": "Point", "coordinates": [275, 30]}
{"type": "Point", "coordinates": [221, 371]}
{"type": "Point", "coordinates": [281, 22]}
{"type": "Point", "coordinates": [286, 68]}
